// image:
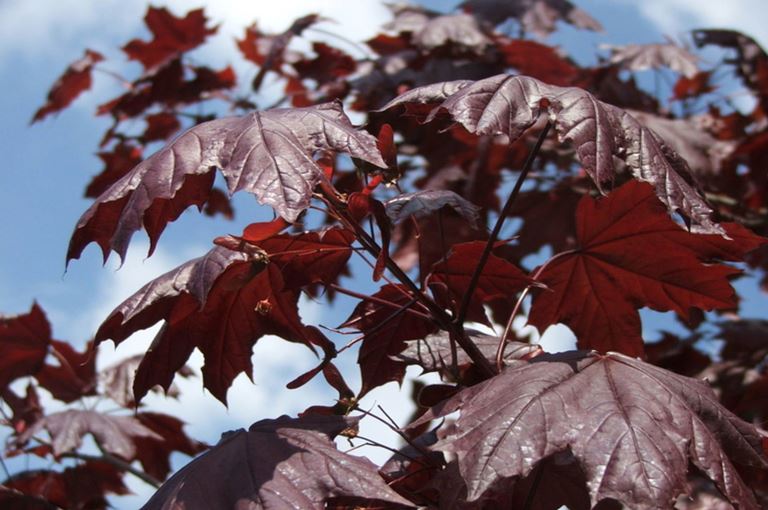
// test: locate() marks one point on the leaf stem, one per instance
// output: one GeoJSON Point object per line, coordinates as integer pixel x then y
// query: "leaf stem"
{"type": "Point", "coordinates": [118, 463]}
{"type": "Point", "coordinates": [467, 299]}
{"type": "Point", "coordinates": [381, 301]}
{"type": "Point", "coordinates": [508, 327]}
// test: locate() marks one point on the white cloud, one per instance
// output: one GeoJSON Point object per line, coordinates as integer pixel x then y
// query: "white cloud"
{"type": "Point", "coordinates": [676, 16]}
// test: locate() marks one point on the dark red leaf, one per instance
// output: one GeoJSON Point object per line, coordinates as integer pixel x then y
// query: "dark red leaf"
{"type": "Point", "coordinates": [113, 433]}
{"type": "Point", "coordinates": [538, 61]}
{"type": "Point", "coordinates": [171, 36]}
{"type": "Point", "coordinates": [329, 64]}
{"type": "Point", "coordinates": [74, 376]}
{"type": "Point", "coordinates": [75, 80]}
{"type": "Point", "coordinates": [154, 453]}
{"type": "Point", "coordinates": [598, 131]}
{"type": "Point", "coordinates": [117, 162]}
{"type": "Point", "coordinates": [639, 427]}
{"type": "Point", "coordinates": [257, 232]}
{"type": "Point", "coordinates": [694, 86]}
{"type": "Point", "coordinates": [117, 381]}
{"type": "Point", "coordinates": [265, 153]}
{"type": "Point", "coordinates": [283, 463]}
{"type": "Point", "coordinates": [85, 486]}
{"type": "Point", "coordinates": [630, 254]}
{"type": "Point", "coordinates": [160, 126]}
{"type": "Point", "coordinates": [310, 257]}
{"type": "Point", "coordinates": [385, 329]}
{"type": "Point", "coordinates": [219, 203]}
{"type": "Point", "coordinates": [26, 411]}
{"type": "Point", "coordinates": [500, 279]}
{"type": "Point", "coordinates": [25, 340]}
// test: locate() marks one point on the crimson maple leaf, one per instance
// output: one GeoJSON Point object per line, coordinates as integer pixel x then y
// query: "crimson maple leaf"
{"type": "Point", "coordinates": [171, 36]}
{"type": "Point", "coordinates": [630, 254]}
{"type": "Point", "coordinates": [282, 463]}
{"type": "Point", "coordinates": [75, 80]}
{"type": "Point", "coordinates": [25, 340]}
{"type": "Point", "coordinates": [599, 132]}
{"type": "Point", "coordinates": [634, 429]}
{"type": "Point", "coordinates": [74, 375]}
{"type": "Point", "coordinates": [500, 279]}
{"type": "Point", "coordinates": [265, 153]}
{"type": "Point", "coordinates": [221, 303]}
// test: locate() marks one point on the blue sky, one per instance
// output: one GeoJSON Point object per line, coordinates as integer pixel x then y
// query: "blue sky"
{"type": "Point", "coordinates": [47, 166]}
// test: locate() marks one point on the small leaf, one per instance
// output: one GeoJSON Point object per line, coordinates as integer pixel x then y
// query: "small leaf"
{"type": "Point", "coordinates": [639, 57]}
{"type": "Point", "coordinates": [75, 80]}
{"type": "Point", "coordinates": [422, 203]}
{"type": "Point", "coordinates": [172, 36]}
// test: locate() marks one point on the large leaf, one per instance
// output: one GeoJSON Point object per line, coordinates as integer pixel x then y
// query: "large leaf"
{"type": "Point", "coordinates": [599, 132]}
{"type": "Point", "coordinates": [116, 434]}
{"type": "Point", "coordinates": [630, 254]}
{"type": "Point", "coordinates": [634, 429]}
{"type": "Point", "coordinates": [221, 304]}
{"type": "Point", "coordinates": [277, 464]}
{"type": "Point", "coordinates": [269, 154]}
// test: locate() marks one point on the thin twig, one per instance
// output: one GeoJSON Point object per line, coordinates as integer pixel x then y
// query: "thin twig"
{"type": "Point", "coordinates": [508, 327]}
{"type": "Point", "coordinates": [381, 301]}
{"type": "Point", "coordinates": [467, 299]}
{"type": "Point", "coordinates": [118, 463]}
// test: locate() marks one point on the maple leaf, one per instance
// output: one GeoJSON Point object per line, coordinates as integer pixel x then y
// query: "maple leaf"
{"type": "Point", "coordinates": [639, 57]}
{"type": "Point", "coordinates": [499, 280]}
{"type": "Point", "coordinates": [117, 380]}
{"type": "Point", "coordinates": [538, 60]}
{"type": "Point", "coordinates": [422, 203]}
{"type": "Point", "coordinates": [630, 254]}
{"type": "Point", "coordinates": [25, 340]}
{"type": "Point", "coordinates": [221, 303]}
{"type": "Point", "coordinates": [171, 36]}
{"type": "Point", "coordinates": [310, 257]}
{"type": "Point", "coordinates": [633, 428]}
{"type": "Point", "coordinates": [282, 463]}
{"type": "Point", "coordinates": [117, 162]}
{"type": "Point", "coordinates": [26, 410]}
{"type": "Point", "coordinates": [265, 153]}
{"type": "Point", "coordinates": [114, 433]}
{"type": "Point", "coordinates": [75, 80]}
{"type": "Point", "coordinates": [74, 376]}
{"type": "Point", "coordinates": [269, 51]}
{"type": "Point", "coordinates": [460, 29]}
{"type": "Point", "coordinates": [153, 453]}
{"type": "Point", "coordinates": [385, 329]}
{"type": "Point", "coordinates": [598, 131]}
{"type": "Point", "coordinates": [328, 64]}
{"type": "Point", "coordinates": [537, 16]}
